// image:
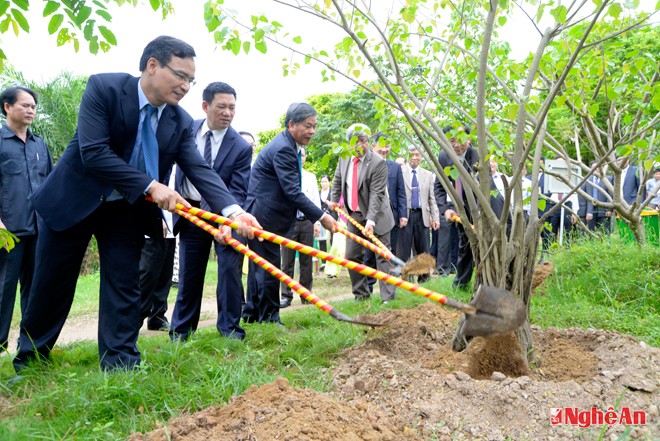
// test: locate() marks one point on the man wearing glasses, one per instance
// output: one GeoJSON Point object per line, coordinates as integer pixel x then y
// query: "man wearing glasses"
{"type": "Point", "coordinates": [130, 132]}
{"type": "Point", "coordinates": [362, 180]}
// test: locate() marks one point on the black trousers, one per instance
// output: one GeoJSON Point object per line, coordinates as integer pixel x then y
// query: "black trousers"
{"type": "Point", "coordinates": [59, 256]}
{"type": "Point", "coordinates": [15, 266]}
{"type": "Point", "coordinates": [303, 232]}
{"type": "Point", "coordinates": [156, 267]}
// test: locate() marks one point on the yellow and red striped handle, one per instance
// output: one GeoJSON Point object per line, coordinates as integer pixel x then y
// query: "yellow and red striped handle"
{"type": "Point", "coordinates": [384, 251]}
{"type": "Point", "coordinates": [455, 218]}
{"type": "Point", "coordinates": [357, 225]}
{"type": "Point", "coordinates": [357, 267]}
{"type": "Point", "coordinates": [370, 246]}
{"type": "Point", "coordinates": [277, 273]}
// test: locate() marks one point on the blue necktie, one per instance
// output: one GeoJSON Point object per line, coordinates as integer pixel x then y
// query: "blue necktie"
{"type": "Point", "coordinates": [414, 202]}
{"type": "Point", "coordinates": [300, 168]}
{"type": "Point", "coordinates": [149, 144]}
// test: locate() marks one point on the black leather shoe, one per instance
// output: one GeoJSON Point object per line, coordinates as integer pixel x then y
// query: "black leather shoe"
{"type": "Point", "coordinates": [285, 303]}
{"type": "Point", "coordinates": [163, 326]}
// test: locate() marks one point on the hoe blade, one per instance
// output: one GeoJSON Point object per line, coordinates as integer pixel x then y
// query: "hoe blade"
{"type": "Point", "coordinates": [497, 311]}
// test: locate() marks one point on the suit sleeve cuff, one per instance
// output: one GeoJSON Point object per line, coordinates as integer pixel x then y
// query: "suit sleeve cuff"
{"type": "Point", "coordinates": [232, 210]}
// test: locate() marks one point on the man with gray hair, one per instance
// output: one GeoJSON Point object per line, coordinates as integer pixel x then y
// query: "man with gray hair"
{"type": "Point", "coordinates": [274, 196]}
{"type": "Point", "coordinates": [362, 181]}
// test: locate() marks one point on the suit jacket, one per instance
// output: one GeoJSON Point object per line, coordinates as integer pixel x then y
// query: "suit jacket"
{"type": "Point", "coordinates": [396, 190]}
{"type": "Point", "coordinates": [631, 184]}
{"type": "Point", "coordinates": [589, 188]}
{"type": "Point", "coordinates": [372, 186]}
{"type": "Point", "coordinates": [96, 160]}
{"type": "Point", "coordinates": [232, 164]}
{"type": "Point", "coordinates": [274, 193]}
{"type": "Point", "coordinates": [426, 181]}
{"type": "Point", "coordinates": [470, 160]}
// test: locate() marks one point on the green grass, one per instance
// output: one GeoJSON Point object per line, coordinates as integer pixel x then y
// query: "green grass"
{"type": "Point", "coordinates": [596, 284]}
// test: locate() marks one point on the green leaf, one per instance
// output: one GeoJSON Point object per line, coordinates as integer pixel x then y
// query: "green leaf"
{"type": "Point", "coordinates": [614, 10]}
{"type": "Point", "coordinates": [308, 59]}
{"type": "Point", "coordinates": [501, 20]}
{"type": "Point", "coordinates": [50, 8]}
{"type": "Point", "coordinates": [94, 46]}
{"type": "Point", "coordinates": [261, 46]}
{"type": "Point", "coordinates": [559, 13]}
{"type": "Point", "coordinates": [104, 14]}
{"type": "Point", "coordinates": [23, 4]}
{"type": "Point", "coordinates": [361, 35]}
{"type": "Point", "coordinates": [155, 4]}
{"type": "Point", "coordinates": [82, 17]}
{"type": "Point", "coordinates": [4, 5]}
{"type": "Point", "coordinates": [542, 204]}
{"type": "Point", "coordinates": [54, 23]}
{"type": "Point", "coordinates": [328, 3]}
{"type": "Point", "coordinates": [108, 35]}
{"type": "Point", "coordinates": [234, 45]}
{"type": "Point", "coordinates": [297, 40]}
{"type": "Point", "coordinates": [21, 20]}
{"type": "Point", "coordinates": [246, 46]}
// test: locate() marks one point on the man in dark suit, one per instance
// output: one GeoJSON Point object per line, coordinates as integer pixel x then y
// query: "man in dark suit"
{"type": "Point", "coordinates": [230, 156]}
{"type": "Point", "coordinates": [274, 196]}
{"type": "Point", "coordinates": [362, 181]}
{"type": "Point", "coordinates": [459, 138]}
{"type": "Point", "coordinates": [130, 132]}
{"type": "Point", "coordinates": [596, 216]}
{"type": "Point", "coordinates": [630, 180]}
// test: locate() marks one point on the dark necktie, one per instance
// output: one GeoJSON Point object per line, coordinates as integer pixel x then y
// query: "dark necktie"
{"type": "Point", "coordinates": [300, 168]}
{"type": "Point", "coordinates": [354, 185]}
{"type": "Point", "coordinates": [414, 202]}
{"type": "Point", "coordinates": [208, 150]}
{"type": "Point", "coordinates": [149, 144]}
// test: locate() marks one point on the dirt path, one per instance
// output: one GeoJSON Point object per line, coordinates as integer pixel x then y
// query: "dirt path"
{"type": "Point", "coordinates": [86, 327]}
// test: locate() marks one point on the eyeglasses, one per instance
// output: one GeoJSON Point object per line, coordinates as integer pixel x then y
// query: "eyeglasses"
{"type": "Point", "coordinates": [181, 76]}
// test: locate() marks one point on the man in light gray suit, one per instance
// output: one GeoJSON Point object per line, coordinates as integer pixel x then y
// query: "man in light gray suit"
{"type": "Point", "coordinates": [362, 181]}
{"type": "Point", "coordinates": [422, 209]}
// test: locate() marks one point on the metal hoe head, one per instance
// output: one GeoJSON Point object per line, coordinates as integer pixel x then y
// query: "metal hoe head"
{"type": "Point", "coordinates": [497, 311]}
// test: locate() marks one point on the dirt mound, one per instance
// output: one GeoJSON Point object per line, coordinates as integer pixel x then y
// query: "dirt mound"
{"type": "Point", "coordinates": [409, 371]}
{"type": "Point", "coordinates": [405, 383]}
{"type": "Point", "coordinates": [276, 411]}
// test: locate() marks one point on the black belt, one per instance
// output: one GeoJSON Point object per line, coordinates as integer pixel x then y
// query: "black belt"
{"type": "Point", "coordinates": [195, 204]}
{"type": "Point", "coordinates": [415, 209]}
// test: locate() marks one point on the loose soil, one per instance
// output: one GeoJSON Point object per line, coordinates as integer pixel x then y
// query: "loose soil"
{"type": "Point", "coordinates": [405, 383]}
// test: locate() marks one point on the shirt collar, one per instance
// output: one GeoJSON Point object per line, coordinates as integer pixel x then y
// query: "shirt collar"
{"type": "Point", "coordinates": [215, 133]}
{"type": "Point", "coordinates": [143, 101]}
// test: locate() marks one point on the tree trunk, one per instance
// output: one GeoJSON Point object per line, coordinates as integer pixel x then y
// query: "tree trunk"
{"type": "Point", "coordinates": [508, 264]}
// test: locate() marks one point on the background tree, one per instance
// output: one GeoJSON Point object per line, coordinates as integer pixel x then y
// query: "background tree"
{"type": "Point", "coordinates": [439, 62]}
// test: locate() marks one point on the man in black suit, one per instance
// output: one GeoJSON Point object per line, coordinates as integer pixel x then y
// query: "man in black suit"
{"type": "Point", "coordinates": [130, 132]}
{"type": "Point", "coordinates": [274, 196]}
{"type": "Point", "coordinates": [596, 216]}
{"type": "Point", "coordinates": [230, 155]}
{"type": "Point", "coordinates": [459, 138]}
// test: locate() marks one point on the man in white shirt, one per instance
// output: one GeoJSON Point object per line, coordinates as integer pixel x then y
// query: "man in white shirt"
{"type": "Point", "coordinates": [229, 155]}
{"type": "Point", "coordinates": [651, 186]}
{"type": "Point", "coordinates": [304, 231]}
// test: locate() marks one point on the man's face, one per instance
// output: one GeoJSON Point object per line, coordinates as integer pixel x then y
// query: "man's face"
{"type": "Point", "coordinates": [303, 131]}
{"type": "Point", "coordinates": [382, 150]}
{"type": "Point", "coordinates": [250, 140]}
{"type": "Point", "coordinates": [22, 112]}
{"type": "Point", "coordinates": [460, 142]}
{"type": "Point", "coordinates": [361, 146]}
{"type": "Point", "coordinates": [493, 166]}
{"type": "Point", "coordinates": [415, 158]}
{"type": "Point", "coordinates": [220, 112]}
{"type": "Point", "coordinates": [169, 82]}
{"type": "Point", "coordinates": [656, 175]}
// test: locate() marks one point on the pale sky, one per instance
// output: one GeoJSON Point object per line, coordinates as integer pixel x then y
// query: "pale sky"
{"type": "Point", "coordinates": [263, 93]}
